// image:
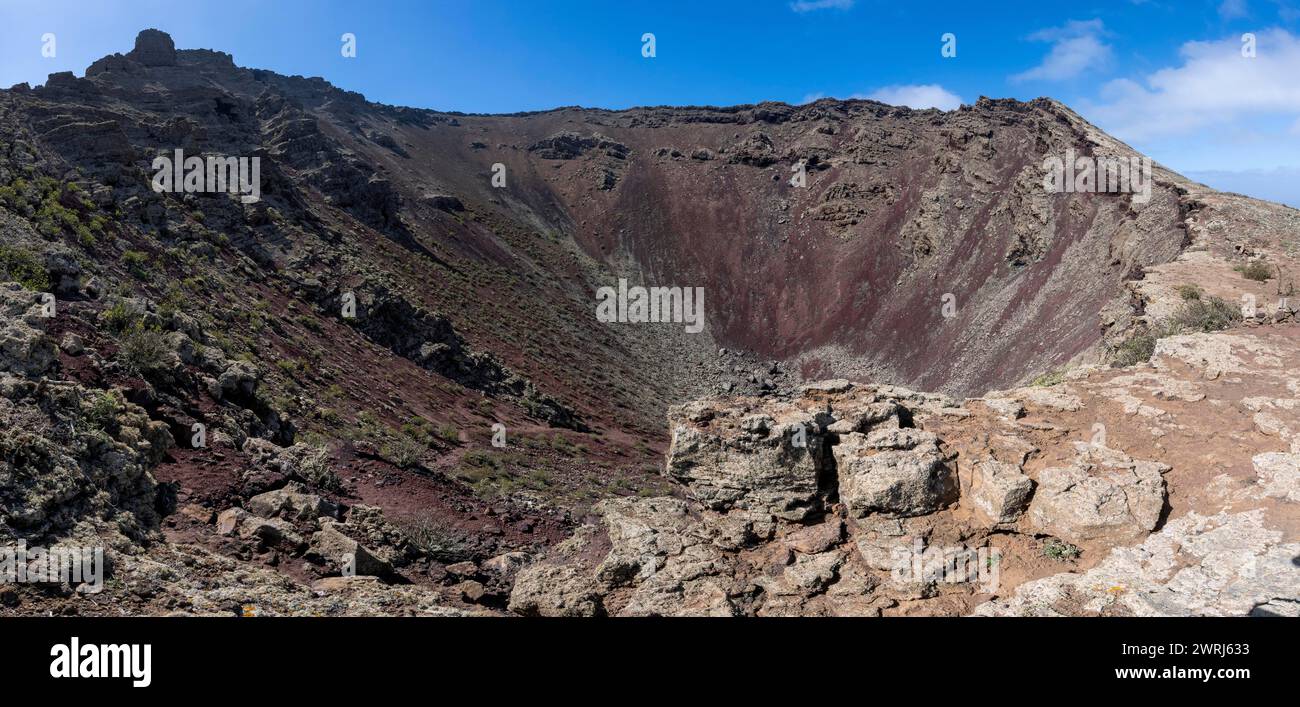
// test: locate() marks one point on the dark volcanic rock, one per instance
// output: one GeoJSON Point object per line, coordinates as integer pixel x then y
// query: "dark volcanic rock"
{"type": "Point", "coordinates": [154, 48]}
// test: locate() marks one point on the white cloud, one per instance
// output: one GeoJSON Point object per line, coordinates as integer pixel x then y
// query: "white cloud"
{"type": "Point", "coordinates": [1076, 47]}
{"type": "Point", "coordinates": [1233, 9]}
{"type": "Point", "coordinates": [810, 5]}
{"type": "Point", "coordinates": [915, 96]}
{"type": "Point", "coordinates": [1214, 86]}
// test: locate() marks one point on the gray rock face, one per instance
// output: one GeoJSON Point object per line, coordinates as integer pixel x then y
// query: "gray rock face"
{"type": "Point", "coordinates": [25, 348]}
{"type": "Point", "coordinates": [1279, 474]}
{"type": "Point", "coordinates": [59, 468]}
{"type": "Point", "coordinates": [894, 471]}
{"type": "Point", "coordinates": [769, 461]}
{"type": "Point", "coordinates": [1103, 495]}
{"type": "Point", "coordinates": [443, 202]}
{"type": "Point", "coordinates": [554, 590]}
{"type": "Point", "coordinates": [1228, 564]}
{"type": "Point", "coordinates": [154, 48]}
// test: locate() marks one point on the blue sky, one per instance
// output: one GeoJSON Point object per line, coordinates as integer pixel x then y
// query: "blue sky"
{"type": "Point", "coordinates": [1166, 76]}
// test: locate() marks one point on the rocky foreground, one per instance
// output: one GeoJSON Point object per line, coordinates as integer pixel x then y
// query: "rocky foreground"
{"type": "Point", "coordinates": [769, 527]}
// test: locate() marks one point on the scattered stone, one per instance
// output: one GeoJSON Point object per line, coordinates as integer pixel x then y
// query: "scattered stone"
{"type": "Point", "coordinates": [1000, 491]}
{"type": "Point", "coordinates": [340, 553]}
{"type": "Point", "coordinates": [72, 345]}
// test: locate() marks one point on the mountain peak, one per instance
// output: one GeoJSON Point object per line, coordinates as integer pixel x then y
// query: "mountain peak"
{"type": "Point", "coordinates": [154, 48]}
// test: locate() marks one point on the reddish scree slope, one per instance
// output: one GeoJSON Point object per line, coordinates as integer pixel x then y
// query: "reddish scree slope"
{"type": "Point", "coordinates": [847, 274]}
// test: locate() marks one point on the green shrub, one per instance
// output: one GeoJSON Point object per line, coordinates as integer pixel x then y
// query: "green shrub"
{"type": "Point", "coordinates": [316, 469]}
{"type": "Point", "coordinates": [137, 262]}
{"type": "Point", "coordinates": [1136, 349]}
{"type": "Point", "coordinates": [1061, 550]}
{"type": "Point", "coordinates": [477, 466]}
{"type": "Point", "coordinates": [101, 414]}
{"type": "Point", "coordinates": [1048, 379]}
{"type": "Point", "coordinates": [564, 446]}
{"type": "Point", "coordinates": [24, 267]}
{"type": "Point", "coordinates": [144, 350]}
{"type": "Point", "coordinates": [118, 318]}
{"type": "Point", "coordinates": [449, 434]}
{"type": "Point", "coordinates": [404, 451]}
{"type": "Point", "coordinates": [1190, 292]}
{"type": "Point", "coordinates": [1199, 315]}
{"type": "Point", "coordinates": [1204, 314]}
{"type": "Point", "coordinates": [1258, 270]}
{"type": "Point", "coordinates": [429, 537]}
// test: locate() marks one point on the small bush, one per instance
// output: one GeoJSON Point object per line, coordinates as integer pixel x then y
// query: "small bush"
{"type": "Point", "coordinates": [1201, 314]}
{"type": "Point", "coordinates": [1048, 379]}
{"type": "Point", "coordinates": [1204, 314]}
{"type": "Point", "coordinates": [316, 469]}
{"type": "Point", "coordinates": [1258, 270]}
{"type": "Point", "coordinates": [101, 414]}
{"type": "Point", "coordinates": [24, 267]}
{"type": "Point", "coordinates": [564, 446]}
{"type": "Point", "coordinates": [1135, 349]}
{"type": "Point", "coordinates": [404, 451]}
{"type": "Point", "coordinates": [137, 262]}
{"type": "Point", "coordinates": [1061, 550]}
{"type": "Point", "coordinates": [1190, 292]}
{"type": "Point", "coordinates": [477, 466]}
{"type": "Point", "coordinates": [144, 350]}
{"type": "Point", "coordinates": [444, 545]}
{"type": "Point", "coordinates": [118, 318]}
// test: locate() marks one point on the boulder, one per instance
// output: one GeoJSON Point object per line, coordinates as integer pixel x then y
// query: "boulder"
{"type": "Point", "coordinates": [229, 520]}
{"type": "Point", "coordinates": [506, 565]}
{"type": "Point", "coordinates": [25, 348]}
{"type": "Point", "coordinates": [337, 551]}
{"type": "Point", "coordinates": [463, 569]}
{"type": "Point", "coordinates": [765, 462]}
{"type": "Point", "coordinates": [271, 532]}
{"type": "Point", "coordinates": [292, 502]}
{"type": "Point", "coordinates": [1103, 496]}
{"type": "Point", "coordinates": [239, 380]}
{"type": "Point", "coordinates": [1278, 474]}
{"type": "Point", "coordinates": [813, 573]}
{"type": "Point", "coordinates": [901, 472]}
{"type": "Point", "coordinates": [554, 590]}
{"type": "Point", "coordinates": [999, 491]}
